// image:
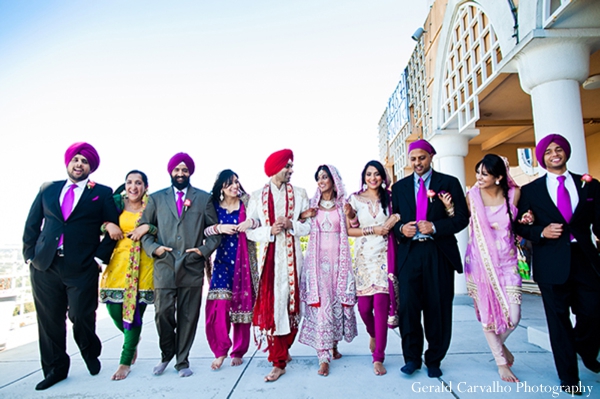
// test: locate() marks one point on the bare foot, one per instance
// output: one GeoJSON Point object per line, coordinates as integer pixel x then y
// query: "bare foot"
{"type": "Point", "coordinates": [506, 374]}
{"type": "Point", "coordinates": [121, 373]}
{"type": "Point", "coordinates": [217, 363]}
{"type": "Point", "coordinates": [336, 354]}
{"type": "Point", "coordinates": [323, 369]}
{"type": "Point", "coordinates": [274, 374]}
{"type": "Point", "coordinates": [372, 344]}
{"type": "Point", "coordinates": [160, 368]}
{"type": "Point", "coordinates": [379, 369]}
{"type": "Point", "coordinates": [510, 359]}
{"type": "Point", "coordinates": [236, 361]}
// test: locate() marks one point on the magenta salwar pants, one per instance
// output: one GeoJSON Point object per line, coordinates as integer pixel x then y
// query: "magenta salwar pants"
{"type": "Point", "coordinates": [218, 326]}
{"type": "Point", "coordinates": [374, 311]}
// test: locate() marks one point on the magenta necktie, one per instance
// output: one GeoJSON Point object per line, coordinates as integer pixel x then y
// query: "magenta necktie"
{"type": "Point", "coordinates": [563, 199]}
{"type": "Point", "coordinates": [179, 202]}
{"type": "Point", "coordinates": [67, 207]}
{"type": "Point", "coordinates": [421, 201]}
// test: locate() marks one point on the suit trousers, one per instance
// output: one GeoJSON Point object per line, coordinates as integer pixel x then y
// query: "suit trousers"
{"type": "Point", "coordinates": [581, 294]}
{"type": "Point", "coordinates": [57, 291]}
{"type": "Point", "coordinates": [426, 286]}
{"type": "Point", "coordinates": [177, 313]}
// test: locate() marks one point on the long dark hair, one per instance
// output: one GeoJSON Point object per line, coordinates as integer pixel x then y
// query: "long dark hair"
{"type": "Point", "coordinates": [495, 166]}
{"type": "Point", "coordinates": [384, 195]}
{"type": "Point", "coordinates": [224, 179]}
{"type": "Point", "coordinates": [120, 189]}
{"type": "Point", "coordinates": [325, 169]}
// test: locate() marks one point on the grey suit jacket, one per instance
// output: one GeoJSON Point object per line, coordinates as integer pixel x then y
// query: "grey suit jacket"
{"type": "Point", "coordinates": [178, 268]}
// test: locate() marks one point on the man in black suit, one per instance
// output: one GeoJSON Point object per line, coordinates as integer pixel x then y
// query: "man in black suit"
{"type": "Point", "coordinates": [566, 264]}
{"type": "Point", "coordinates": [62, 246]}
{"type": "Point", "coordinates": [426, 257]}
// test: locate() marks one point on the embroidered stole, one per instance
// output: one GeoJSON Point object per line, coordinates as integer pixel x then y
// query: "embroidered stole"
{"type": "Point", "coordinates": [242, 293]}
{"type": "Point", "coordinates": [264, 309]}
{"type": "Point", "coordinates": [131, 314]}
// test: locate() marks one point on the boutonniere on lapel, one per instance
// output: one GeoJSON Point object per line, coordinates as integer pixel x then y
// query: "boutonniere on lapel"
{"type": "Point", "coordinates": [431, 195]}
{"type": "Point", "coordinates": [91, 184]}
{"type": "Point", "coordinates": [586, 178]}
{"type": "Point", "coordinates": [186, 204]}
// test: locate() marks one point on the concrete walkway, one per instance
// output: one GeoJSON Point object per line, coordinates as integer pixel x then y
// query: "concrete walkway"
{"type": "Point", "coordinates": [469, 368]}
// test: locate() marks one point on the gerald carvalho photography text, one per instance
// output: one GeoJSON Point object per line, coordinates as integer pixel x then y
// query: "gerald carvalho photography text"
{"type": "Point", "coordinates": [494, 387]}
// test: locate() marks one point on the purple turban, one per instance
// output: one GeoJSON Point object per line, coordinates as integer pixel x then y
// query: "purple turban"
{"type": "Point", "coordinates": [421, 145]}
{"type": "Point", "coordinates": [87, 151]}
{"type": "Point", "coordinates": [277, 161]}
{"type": "Point", "coordinates": [179, 158]}
{"type": "Point", "coordinates": [542, 146]}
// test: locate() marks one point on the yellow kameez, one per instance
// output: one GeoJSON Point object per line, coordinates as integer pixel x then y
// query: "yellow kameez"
{"type": "Point", "coordinates": [113, 280]}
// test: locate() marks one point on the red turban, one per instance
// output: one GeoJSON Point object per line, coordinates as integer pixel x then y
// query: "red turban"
{"type": "Point", "coordinates": [179, 158]}
{"type": "Point", "coordinates": [421, 145]}
{"type": "Point", "coordinates": [87, 151]}
{"type": "Point", "coordinates": [277, 161]}
{"type": "Point", "coordinates": [542, 146]}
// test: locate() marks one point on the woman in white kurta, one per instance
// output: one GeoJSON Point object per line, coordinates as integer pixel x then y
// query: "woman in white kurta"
{"type": "Point", "coordinates": [370, 221]}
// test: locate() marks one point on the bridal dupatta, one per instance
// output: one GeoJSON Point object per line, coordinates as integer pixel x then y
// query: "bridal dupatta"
{"type": "Point", "coordinates": [482, 256]}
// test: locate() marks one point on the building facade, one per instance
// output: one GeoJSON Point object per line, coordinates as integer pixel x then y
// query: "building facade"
{"type": "Point", "coordinates": [495, 76]}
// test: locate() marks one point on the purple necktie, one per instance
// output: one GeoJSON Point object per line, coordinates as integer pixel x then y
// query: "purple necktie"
{"type": "Point", "coordinates": [563, 199]}
{"type": "Point", "coordinates": [179, 202]}
{"type": "Point", "coordinates": [421, 201]}
{"type": "Point", "coordinates": [67, 207]}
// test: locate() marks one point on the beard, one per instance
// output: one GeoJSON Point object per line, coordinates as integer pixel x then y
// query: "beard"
{"type": "Point", "coordinates": [180, 185]}
{"type": "Point", "coordinates": [77, 179]}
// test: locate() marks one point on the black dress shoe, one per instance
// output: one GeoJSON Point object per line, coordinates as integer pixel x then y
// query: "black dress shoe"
{"type": "Point", "coordinates": [571, 389]}
{"type": "Point", "coordinates": [434, 372]}
{"type": "Point", "coordinates": [410, 367]}
{"type": "Point", "coordinates": [93, 366]}
{"type": "Point", "coordinates": [592, 365]}
{"type": "Point", "coordinates": [50, 380]}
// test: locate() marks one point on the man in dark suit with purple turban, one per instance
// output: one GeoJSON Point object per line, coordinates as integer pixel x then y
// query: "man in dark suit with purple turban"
{"type": "Point", "coordinates": [62, 246]}
{"type": "Point", "coordinates": [566, 264]}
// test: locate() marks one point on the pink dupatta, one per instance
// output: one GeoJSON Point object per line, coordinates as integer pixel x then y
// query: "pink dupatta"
{"type": "Point", "coordinates": [481, 257]}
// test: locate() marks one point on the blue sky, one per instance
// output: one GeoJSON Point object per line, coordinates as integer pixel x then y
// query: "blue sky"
{"type": "Point", "coordinates": [229, 82]}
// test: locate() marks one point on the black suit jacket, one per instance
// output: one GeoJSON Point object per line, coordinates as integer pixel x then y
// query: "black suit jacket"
{"type": "Point", "coordinates": [81, 230]}
{"type": "Point", "coordinates": [403, 202]}
{"type": "Point", "coordinates": [552, 258]}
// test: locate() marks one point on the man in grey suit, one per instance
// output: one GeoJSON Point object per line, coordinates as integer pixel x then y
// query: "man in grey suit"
{"type": "Point", "coordinates": [181, 213]}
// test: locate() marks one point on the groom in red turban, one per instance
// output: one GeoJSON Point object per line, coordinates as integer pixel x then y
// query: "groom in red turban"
{"type": "Point", "coordinates": [62, 246]}
{"type": "Point", "coordinates": [278, 206]}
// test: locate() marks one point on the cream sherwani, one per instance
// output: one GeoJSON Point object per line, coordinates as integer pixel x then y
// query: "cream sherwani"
{"type": "Point", "coordinates": [262, 235]}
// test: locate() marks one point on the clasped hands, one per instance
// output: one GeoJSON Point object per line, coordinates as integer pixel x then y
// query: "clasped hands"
{"type": "Point", "coordinates": [423, 226]}
{"type": "Point", "coordinates": [115, 232]}
{"type": "Point", "coordinates": [281, 224]}
{"type": "Point", "coordinates": [231, 229]}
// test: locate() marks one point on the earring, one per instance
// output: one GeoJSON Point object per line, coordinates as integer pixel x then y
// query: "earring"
{"type": "Point", "coordinates": [364, 187]}
{"type": "Point", "coordinates": [497, 182]}
{"type": "Point", "coordinates": [221, 196]}
{"type": "Point", "coordinates": [383, 185]}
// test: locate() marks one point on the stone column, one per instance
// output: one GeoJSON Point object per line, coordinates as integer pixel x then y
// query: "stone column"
{"type": "Point", "coordinates": [452, 148]}
{"type": "Point", "coordinates": [551, 71]}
